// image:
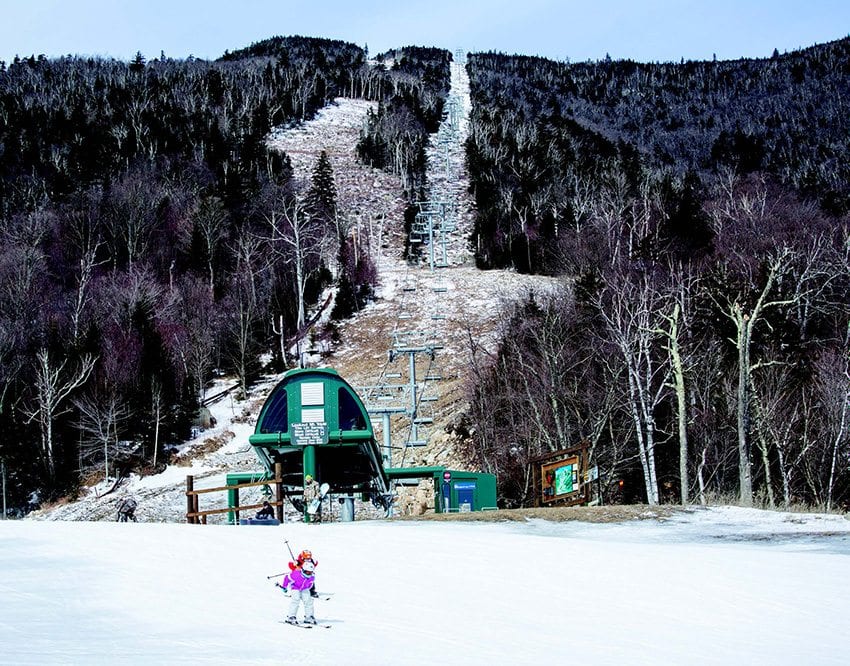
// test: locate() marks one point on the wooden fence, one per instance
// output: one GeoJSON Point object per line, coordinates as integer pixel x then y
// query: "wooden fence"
{"type": "Point", "coordinates": [195, 516]}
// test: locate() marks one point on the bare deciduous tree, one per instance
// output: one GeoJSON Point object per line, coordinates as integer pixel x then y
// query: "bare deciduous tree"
{"type": "Point", "coordinates": [631, 314]}
{"type": "Point", "coordinates": [211, 223]}
{"type": "Point", "coordinates": [191, 336]}
{"type": "Point", "coordinates": [745, 318]}
{"type": "Point", "coordinates": [10, 361]}
{"type": "Point", "coordinates": [52, 387]}
{"type": "Point", "coordinates": [833, 385]}
{"type": "Point", "coordinates": [101, 419]}
{"type": "Point", "coordinates": [683, 287]}
{"type": "Point", "coordinates": [157, 406]}
{"type": "Point", "coordinates": [298, 239]}
{"type": "Point", "coordinates": [132, 216]}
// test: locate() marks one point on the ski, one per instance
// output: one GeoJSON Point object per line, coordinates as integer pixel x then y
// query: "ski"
{"type": "Point", "coordinates": [304, 625]}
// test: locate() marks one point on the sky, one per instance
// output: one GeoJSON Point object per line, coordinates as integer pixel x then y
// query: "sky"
{"type": "Point", "coordinates": [643, 30]}
{"type": "Point", "coordinates": [718, 586]}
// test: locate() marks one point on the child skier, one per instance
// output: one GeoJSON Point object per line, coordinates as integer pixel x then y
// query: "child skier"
{"type": "Point", "coordinates": [305, 556]}
{"type": "Point", "coordinates": [300, 581]}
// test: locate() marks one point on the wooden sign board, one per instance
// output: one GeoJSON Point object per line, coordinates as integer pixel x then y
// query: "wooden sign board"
{"type": "Point", "coordinates": [560, 479]}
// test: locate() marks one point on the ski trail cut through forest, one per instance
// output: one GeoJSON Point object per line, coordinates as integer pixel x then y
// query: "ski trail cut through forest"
{"type": "Point", "coordinates": [455, 305]}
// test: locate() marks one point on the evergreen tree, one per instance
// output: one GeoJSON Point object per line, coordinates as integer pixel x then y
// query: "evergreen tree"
{"type": "Point", "coordinates": [137, 65]}
{"type": "Point", "coordinates": [322, 196]}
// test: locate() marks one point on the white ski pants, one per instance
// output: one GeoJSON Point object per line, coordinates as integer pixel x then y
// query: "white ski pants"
{"type": "Point", "coordinates": [297, 596]}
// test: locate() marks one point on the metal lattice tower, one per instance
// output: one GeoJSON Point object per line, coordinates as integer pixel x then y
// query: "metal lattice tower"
{"type": "Point", "coordinates": [406, 390]}
{"type": "Point", "coordinates": [433, 223]}
{"type": "Point", "coordinates": [454, 109]}
{"type": "Point", "coordinates": [406, 387]}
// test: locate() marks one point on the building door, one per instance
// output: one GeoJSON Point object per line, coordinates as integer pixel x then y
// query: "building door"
{"type": "Point", "coordinates": [465, 495]}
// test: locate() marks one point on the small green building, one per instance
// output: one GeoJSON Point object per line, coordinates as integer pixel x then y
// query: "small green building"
{"type": "Point", "coordinates": [453, 490]}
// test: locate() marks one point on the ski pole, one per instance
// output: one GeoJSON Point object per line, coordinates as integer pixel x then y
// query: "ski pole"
{"type": "Point", "coordinates": [276, 575]}
{"type": "Point", "coordinates": [290, 550]}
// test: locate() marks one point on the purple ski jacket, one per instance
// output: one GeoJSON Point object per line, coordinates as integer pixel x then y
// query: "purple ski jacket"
{"type": "Point", "coordinates": [296, 580]}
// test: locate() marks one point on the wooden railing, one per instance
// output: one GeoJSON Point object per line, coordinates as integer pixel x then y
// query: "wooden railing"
{"type": "Point", "coordinates": [195, 516]}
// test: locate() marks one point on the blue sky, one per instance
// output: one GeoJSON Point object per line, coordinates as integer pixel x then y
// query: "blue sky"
{"type": "Point", "coordinates": [644, 30]}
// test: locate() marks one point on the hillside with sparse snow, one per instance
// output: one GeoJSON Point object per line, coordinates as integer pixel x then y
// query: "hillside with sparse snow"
{"type": "Point", "coordinates": [458, 305]}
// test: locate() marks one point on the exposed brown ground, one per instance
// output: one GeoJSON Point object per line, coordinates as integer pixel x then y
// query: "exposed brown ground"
{"type": "Point", "coordinates": [587, 514]}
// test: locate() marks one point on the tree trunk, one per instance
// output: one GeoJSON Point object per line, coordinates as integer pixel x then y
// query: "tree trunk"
{"type": "Point", "coordinates": [700, 478]}
{"type": "Point", "coordinates": [681, 403]}
{"type": "Point", "coordinates": [835, 446]}
{"type": "Point", "coordinates": [784, 472]}
{"type": "Point", "coordinates": [157, 416]}
{"type": "Point", "coordinates": [745, 480]}
{"type": "Point", "coordinates": [645, 443]}
{"type": "Point", "coordinates": [765, 461]}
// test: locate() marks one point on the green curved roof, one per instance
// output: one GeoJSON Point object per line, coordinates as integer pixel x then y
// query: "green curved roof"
{"type": "Point", "coordinates": [316, 409]}
{"type": "Point", "coordinates": [312, 395]}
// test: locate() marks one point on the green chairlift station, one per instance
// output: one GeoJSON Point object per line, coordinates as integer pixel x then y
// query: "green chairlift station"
{"type": "Point", "coordinates": [314, 423]}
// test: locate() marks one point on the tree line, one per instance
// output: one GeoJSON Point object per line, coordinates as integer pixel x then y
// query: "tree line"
{"type": "Point", "coordinates": [697, 212]}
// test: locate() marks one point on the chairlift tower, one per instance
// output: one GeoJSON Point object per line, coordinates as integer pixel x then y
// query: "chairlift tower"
{"type": "Point", "coordinates": [413, 408]}
{"type": "Point", "coordinates": [433, 223]}
{"type": "Point", "coordinates": [445, 142]}
{"type": "Point", "coordinates": [453, 111]}
{"type": "Point", "coordinates": [395, 399]}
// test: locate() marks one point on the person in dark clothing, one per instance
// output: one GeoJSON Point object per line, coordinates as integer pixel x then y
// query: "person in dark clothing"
{"type": "Point", "coordinates": [266, 512]}
{"type": "Point", "coordinates": [126, 510]}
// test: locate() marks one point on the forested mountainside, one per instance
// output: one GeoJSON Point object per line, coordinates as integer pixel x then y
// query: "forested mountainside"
{"type": "Point", "coordinates": [545, 134]}
{"type": "Point", "coordinates": [702, 208]}
{"type": "Point", "coordinates": [698, 213]}
{"type": "Point", "coordinates": [149, 238]}
{"type": "Point", "coordinates": [397, 133]}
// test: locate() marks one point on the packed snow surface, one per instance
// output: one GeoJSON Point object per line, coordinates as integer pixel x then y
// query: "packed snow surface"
{"type": "Point", "coordinates": [713, 586]}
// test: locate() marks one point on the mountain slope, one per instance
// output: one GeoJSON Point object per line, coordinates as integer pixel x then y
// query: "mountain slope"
{"type": "Point", "coordinates": [458, 305]}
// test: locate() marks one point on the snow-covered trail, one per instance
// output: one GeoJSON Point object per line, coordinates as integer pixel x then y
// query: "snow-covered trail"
{"type": "Point", "coordinates": [454, 305]}
{"type": "Point", "coordinates": [715, 586]}
{"type": "Point", "coordinates": [447, 175]}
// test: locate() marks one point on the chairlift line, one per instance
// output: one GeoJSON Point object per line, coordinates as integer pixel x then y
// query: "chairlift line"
{"type": "Point", "coordinates": [437, 218]}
